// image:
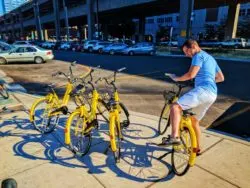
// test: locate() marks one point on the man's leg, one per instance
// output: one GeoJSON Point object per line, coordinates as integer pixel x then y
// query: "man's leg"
{"type": "Point", "coordinates": [175, 118]}
{"type": "Point", "coordinates": [197, 130]}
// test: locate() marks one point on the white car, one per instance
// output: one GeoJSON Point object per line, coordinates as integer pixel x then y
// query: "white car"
{"type": "Point", "coordinates": [20, 43]}
{"type": "Point", "coordinates": [99, 46]}
{"type": "Point", "coordinates": [26, 53]}
{"type": "Point", "coordinates": [234, 43]}
{"type": "Point", "coordinates": [88, 45]}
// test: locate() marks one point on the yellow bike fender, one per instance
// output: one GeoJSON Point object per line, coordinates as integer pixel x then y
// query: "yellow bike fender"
{"type": "Point", "coordinates": [193, 143]}
{"type": "Point", "coordinates": [112, 132]}
{"type": "Point", "coordinates": [68, 124]}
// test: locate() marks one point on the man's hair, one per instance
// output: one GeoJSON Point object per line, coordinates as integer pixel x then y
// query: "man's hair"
{"type": "Point", "coordinates": [188, 43]}
{"type": "Point", "coordinates": [9, 183]}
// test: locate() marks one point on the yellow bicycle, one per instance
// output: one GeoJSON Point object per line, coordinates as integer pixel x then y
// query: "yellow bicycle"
{"type": "Point", "coordinates": [183, 155]}
{"type": "Point", "coordinates": [45, 111]}
{"type": "Point", "coordinates": [81, 122]}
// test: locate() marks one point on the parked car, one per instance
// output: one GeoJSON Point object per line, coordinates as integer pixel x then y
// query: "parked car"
{"type": "Point", "coordinates": [89, 45]}
{"type": "Point", "coordinates": [234, 43]}
{"type": "Point", "coordinates": [168, 43]}
{"type": "Point", "coordinates": [48, 45]}
{"type": "Point", "coordinates": [115, 48]}
{"type": "Point", "coordinates": [210, 43]}
{"type": "Point", "coordinates": [20, 43]}
{"type": "Point", "coordinates": [56, 45]}
{"type": "Point", "coordinates": [26, 53]}
{"type": "Point", "coordinates": [65, 46]}
{"type": "Point", "coordinates": [77, 47]}
{"type": "Point", "coordinates": [98, 47]}
{"type": "Point", "coordinates": [140, 48]}
{"type": "Point", "coordinates": [247, 43]}
{"type": "Point", "coordinates": [5, 46]}
{"type": "Point", "coordinates": [36, 43]}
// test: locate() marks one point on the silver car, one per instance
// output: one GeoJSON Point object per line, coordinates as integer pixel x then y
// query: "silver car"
{"type": "Point", "coordinates": [26, 54]}
{"type": "Point", "coordinates": [99, 46]}
{"type": "Point", "coordinates": [115, 48]}
{"type": "Point", "coordinates": [140, 48]}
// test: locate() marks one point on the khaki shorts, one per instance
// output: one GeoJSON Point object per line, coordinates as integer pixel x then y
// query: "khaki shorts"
{"type": "Point", "coordinates": [197, 99]}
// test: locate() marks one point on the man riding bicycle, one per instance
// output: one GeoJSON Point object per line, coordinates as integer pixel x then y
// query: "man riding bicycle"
{"type": "Point", "coordinates": [207, 73]}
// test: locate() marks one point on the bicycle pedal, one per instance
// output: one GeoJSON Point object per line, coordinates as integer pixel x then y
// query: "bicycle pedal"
{"type": "Point", "coordinates": [125, 124]}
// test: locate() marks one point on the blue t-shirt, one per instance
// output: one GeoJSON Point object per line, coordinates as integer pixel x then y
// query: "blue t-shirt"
{"type": "Point", "coordinates": [208, 68]}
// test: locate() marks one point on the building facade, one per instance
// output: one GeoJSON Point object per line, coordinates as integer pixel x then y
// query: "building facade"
{"type": "Point", "coordinates": [199, 21]}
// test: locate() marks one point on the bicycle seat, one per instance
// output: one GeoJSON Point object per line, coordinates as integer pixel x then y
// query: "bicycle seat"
{"type": "Point", "coordinates": [188, 112]}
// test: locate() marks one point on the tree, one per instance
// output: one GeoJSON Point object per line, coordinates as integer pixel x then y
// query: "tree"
{"type": "Point", "coordinates": [210, 32]}
{"type": "Point", "coordinates": [162, 33]}
{"type": "Point", "coordinates": [244, 27]}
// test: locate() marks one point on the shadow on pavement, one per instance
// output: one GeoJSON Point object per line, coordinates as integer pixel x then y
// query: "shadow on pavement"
{"type": "Point", "coordinates": [138, 162]}
{"type": "Point", "coordinates": [235, 121]}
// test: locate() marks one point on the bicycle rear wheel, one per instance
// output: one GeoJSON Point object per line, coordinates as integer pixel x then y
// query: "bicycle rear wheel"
{"type": "Point", "coordinates": [80, 141]}
{"type": "Point", "coordinates": [181, 153]}
{"type": "Point", "coordinates": [41, 119]}
{"type": "Point", "coordinates": [4, 91]}
{"type": "Point", "coordinates": [164, 120]}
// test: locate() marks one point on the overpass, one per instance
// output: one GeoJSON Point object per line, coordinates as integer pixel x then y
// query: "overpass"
{"type": "Point", "coordinates": [38, 16]}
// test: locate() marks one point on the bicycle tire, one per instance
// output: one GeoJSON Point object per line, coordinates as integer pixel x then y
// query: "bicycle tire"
{"type": "Point", "coordinates": [186, 148]}
{"type": "Point", "coordinates": [115, 139]}
{"type": "Point", "coordinates": [164, 121]}
{"type": "Point", "coordinates": [47, 127]}
{"type": "Point", "coordinates": [80, 142]}
{"type": "Point", "coordinates": [4, 91]}
{"type": "Point", "coordinates": [124, 114]}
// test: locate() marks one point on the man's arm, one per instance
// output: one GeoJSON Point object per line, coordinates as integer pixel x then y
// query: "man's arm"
{"type": "Point", "coordinates": [189, 75]}
{"type": "Point", "coordinates": [219, 77]}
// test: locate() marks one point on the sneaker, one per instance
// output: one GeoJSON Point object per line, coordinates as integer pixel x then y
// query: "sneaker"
{"type": "Point", "coordinates": [168, 141]}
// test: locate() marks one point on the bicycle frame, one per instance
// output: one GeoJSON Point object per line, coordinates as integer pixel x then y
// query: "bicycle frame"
{"type": "Point", "coordinates": [52, 98]}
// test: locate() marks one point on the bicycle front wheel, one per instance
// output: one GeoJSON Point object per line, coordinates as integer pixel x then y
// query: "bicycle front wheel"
{"type": "Point", "coordinates": [4, 91]}
{"type": "Point", "coordinates": [182, 153]}
{"type": "Point", "coordinates": [164, 120]}
{"type": "Point", "coordinates": [42, 120]}
{"type": "Point", "coordinates": [115, 139]}
{"type": "Point", "coordinates": [80, 140]}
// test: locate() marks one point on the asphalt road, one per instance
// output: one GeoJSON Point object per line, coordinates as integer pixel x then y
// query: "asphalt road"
{"type": "Point", "coordinates": [237, 74]}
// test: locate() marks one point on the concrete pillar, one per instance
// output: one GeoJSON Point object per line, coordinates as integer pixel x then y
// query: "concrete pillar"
{"type": "Point", "coordinates": [45, 34]}
{"type": "Point", "coordinates": [85, 33]}
{"type": "Point", "coordinates": [12, 27]}
{"type": "Point", "coordinates": [186, 8]}
{"type": "Point", "coordinates": [141, 29]}
{"type": "Point", "coordinates": [21, 23]}
{"type": "Point", "coordinates": [90, 15]}
{"type": "Point", "coordinates": [57, 20]}
{"type": "Point", "coordinates": [37, 19]}
{"type": "Point", "coordinates": [232, 21]}
{"type": "Point", "coordinates": [105, 31]}
{"type": "Point", "coordinates": [79, 32]}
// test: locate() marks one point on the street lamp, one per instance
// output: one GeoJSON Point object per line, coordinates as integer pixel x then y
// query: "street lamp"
{"type": "Point", "coordinates": [66, 19]}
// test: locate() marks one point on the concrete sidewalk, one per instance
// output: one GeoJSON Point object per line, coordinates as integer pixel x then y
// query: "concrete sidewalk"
{"type": "Point", "coordinates": [36, 160]}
